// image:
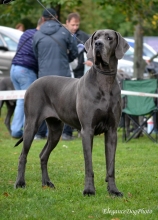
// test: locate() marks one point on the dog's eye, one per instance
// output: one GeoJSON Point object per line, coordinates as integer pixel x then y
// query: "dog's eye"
{"type": "Point", "coordinates": [96, 38]}
{"type": "Point", "coordinates": [109, 38]}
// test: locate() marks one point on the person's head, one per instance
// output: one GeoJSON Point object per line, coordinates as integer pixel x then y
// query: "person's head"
{"type": "Point", "coordinates": [49, 14]}
{"type": "Point", "coordinates": [20, 27]}
{"type": "Point", "coordinates": [73, 22]}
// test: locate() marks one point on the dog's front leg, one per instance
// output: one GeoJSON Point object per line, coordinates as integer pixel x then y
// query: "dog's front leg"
{"type": "Point", "coordinates": [87, 142]}
{"type": "Point", "coordinates": [110, 149]}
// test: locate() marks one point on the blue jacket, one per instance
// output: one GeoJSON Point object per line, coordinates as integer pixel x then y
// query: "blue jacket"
{"type": "Point", "coordinates": [25, 55]}
{"type": "Point", "coordinates": [54, 55]}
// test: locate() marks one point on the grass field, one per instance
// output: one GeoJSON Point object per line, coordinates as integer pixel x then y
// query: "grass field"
{"type": "Point", "coordinates": [136, 177]}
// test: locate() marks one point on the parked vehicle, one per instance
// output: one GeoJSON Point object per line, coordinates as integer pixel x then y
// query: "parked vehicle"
{"type": "Point", "coordinates": [126, 63]}
{"type": "Point", "coordinates": [148, 51]}
{"type": "Point", "coordinates": [9, 38]}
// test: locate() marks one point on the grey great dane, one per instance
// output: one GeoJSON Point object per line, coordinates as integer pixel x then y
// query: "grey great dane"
{"type": "Point", "coordinates": [91, 104]}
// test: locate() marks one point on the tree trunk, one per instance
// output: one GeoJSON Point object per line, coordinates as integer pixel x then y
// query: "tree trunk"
{"type": "Point", "coordinates": [139, 64]}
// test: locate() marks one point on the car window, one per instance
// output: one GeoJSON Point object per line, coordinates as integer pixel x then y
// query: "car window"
{"type": "Point", "coordinates": [147, 52]}
{"type": "Point", "coordinates": [1, 43]}
{"type": "Point", "coordinates": [130, 52]}
{"type": "Point", "coordinates": [131, 43]}
{"type": "Point", "coordinates": [12, 45]}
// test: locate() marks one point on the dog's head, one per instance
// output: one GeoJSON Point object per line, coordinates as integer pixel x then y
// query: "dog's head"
{"type": "Point", "coordinates": [103, 44]}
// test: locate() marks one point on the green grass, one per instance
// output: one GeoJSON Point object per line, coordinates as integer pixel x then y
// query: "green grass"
{"type": "Point", "coordinates": [136, 177]}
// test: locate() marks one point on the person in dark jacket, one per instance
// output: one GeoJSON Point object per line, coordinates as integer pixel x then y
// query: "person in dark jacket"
{"type": "Point", "coordinates": [55, 48]}
{"type": "Point", "coordinates": [23, 73]}
{"type": "Point", "coordinates": [72, 24]}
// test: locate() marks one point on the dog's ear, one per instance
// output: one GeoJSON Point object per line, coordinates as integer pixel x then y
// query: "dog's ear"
{"type": "Point", "coordinates": [89, 47]}
{"type": "Point", "coordinates": [122, 46]}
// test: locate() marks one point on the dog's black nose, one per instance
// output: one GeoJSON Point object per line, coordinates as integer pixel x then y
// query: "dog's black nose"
{"type": "Point", "coordinates": [98, 43]}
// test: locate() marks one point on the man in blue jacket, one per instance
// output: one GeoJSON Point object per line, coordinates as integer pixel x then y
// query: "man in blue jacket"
{"type": "Point", "coordinates": [55, 48]}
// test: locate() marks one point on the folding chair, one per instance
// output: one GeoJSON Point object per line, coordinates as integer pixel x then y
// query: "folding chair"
{"type": "Point", "coordinates": [135, 106]}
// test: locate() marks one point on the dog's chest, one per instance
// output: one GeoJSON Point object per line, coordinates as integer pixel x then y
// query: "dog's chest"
{"type": "Point", "coordinates": [107, 111]}
{"type": "Point", "coordinates": [103, 120]}
{"type": "Point", "coordinates": [103, 98]}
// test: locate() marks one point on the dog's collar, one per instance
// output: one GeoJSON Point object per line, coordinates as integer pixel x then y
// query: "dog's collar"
{"type": "Point", "coordinates": [103, 72]}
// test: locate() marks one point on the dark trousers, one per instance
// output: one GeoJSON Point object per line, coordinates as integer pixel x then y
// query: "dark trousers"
{"type": "Point", "coordinates": [42, 131]}
{"type": "Point", "coordinates": [67, 130]}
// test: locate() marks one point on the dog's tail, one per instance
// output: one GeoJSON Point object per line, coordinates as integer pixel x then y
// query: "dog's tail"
{"type": "Point", "coordinates": [19, 141]}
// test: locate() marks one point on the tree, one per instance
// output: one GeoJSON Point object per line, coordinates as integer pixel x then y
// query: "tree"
{"type": "Point", "coordinates": [17, 10]}
{"type": "Point", "coordinates": [138, 12]}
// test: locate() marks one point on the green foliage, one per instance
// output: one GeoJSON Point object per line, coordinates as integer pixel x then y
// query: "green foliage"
{"type": "Point", "coordinates": [22, 10]}
{"type": "Point", "coordinates": [134, 11]}
{"type": "Point", "coordinates": [94, 17]}
{"type": "Point", "coordinates": [61, 2]}
{"type": "Point", "coordinates": [95, 14]}
{"type": "Point", "coordinates": [18, 10]}
{"type": "Point", "coordinates": [136, 177]}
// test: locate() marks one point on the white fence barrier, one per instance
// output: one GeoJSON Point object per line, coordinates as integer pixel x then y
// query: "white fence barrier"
{"type": "Point", "coordinates": [124, 92]}
{"type": "Point", "coordinates": [19, 94]}
{"type": "Point", "coordinates": [12, 94]}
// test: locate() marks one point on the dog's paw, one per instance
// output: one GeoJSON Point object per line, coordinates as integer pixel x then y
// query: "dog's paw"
{"type": "Point", "coordinates": [118, 194]}
{"type": "Point", "coordinates": [88, 191]}
{"type": "Point", "coordinates": [19, 184]}
{"type": "Point", "coordinates": [48, 184]}
{"type": "Point", "coordinates": [115, 192]}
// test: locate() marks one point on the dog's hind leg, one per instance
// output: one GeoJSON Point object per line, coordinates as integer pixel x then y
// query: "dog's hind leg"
{"type": "Point", "coordinates": [29, 132]}
{"type": "Point", "coordinates": [55, 130]}
{"type": "Point", "coordinates": [110, 150]}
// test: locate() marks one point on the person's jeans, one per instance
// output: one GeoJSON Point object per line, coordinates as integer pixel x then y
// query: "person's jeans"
{"type": "Point", "coordinates": [21, 78]}
{"type": "Point", "coordinates": [67, 130]}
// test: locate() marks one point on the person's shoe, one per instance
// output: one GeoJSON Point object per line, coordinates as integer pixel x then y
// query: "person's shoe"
{"type": "Point", "coordinates": [66, 137]}
{"type": "Point", "coordinates": [39, 137]}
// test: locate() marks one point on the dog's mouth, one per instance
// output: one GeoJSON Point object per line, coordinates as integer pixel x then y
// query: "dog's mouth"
{"type": "Point", "coordinates": [98, 53]}
{"type": "Point", "coordinates": [99, 60]}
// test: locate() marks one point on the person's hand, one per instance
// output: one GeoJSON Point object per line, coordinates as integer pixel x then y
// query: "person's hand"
{"type": "Point", "coordinates": [88, 63]}
{"type": "Point", "coordinates": [80, 48]}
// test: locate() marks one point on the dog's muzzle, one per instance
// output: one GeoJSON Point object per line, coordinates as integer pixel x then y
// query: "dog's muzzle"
{"type": "Point", "coordinates": [101, 53]}
{"type": "Point", "coordinates": [98, 44]}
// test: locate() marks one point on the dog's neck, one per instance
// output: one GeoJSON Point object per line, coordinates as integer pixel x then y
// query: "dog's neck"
{"type": "Point", "coordinates": [107, 72]}
{"type": "Point", "coordinates": [109, 69]}
{"type": "Point", "coordinates": [108, 76]}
